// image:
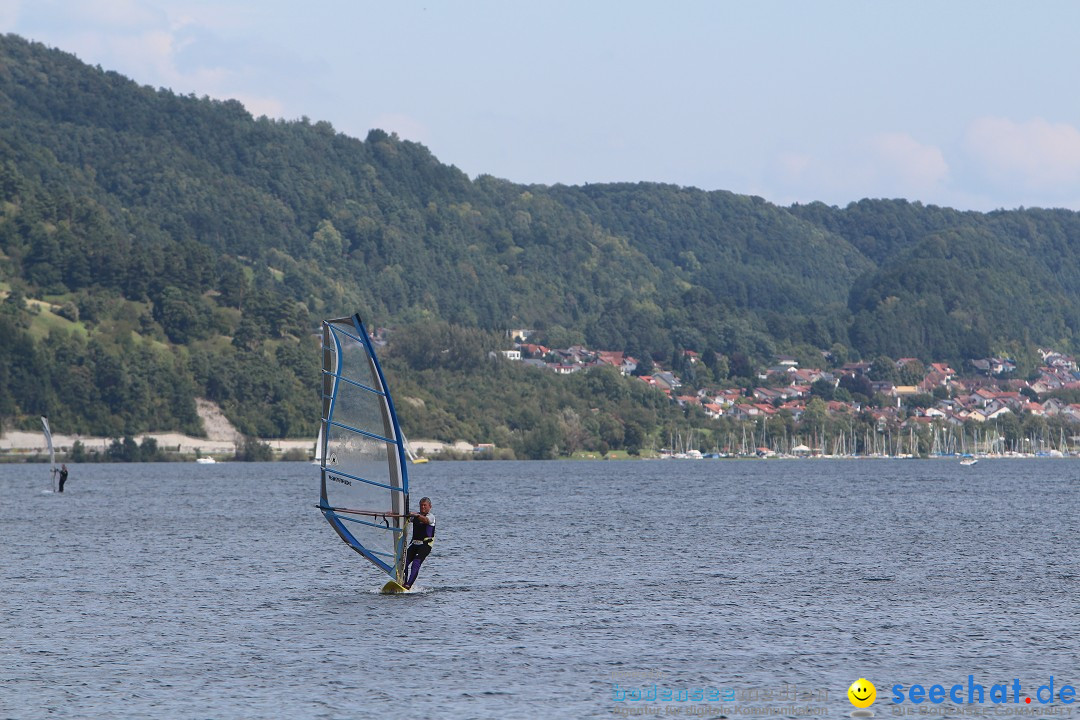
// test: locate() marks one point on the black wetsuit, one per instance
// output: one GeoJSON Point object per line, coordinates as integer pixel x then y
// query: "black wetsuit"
{"type": "Point", "coordinates": [423, 534]}
{"type": "Point", "coordinates": [63, 478]}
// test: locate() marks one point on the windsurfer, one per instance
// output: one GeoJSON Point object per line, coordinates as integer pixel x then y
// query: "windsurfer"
{"type": "Point", "coordinates": [423, 535]}
{"type": "Point", "coordinates": [63, 476]}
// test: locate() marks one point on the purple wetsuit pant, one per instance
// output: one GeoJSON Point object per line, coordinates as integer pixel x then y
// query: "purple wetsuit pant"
{"type": "Point", "coordinates": [414, 557]}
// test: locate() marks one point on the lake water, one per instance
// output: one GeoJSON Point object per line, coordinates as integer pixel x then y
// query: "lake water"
{"type": "Point", "coordinates": [218, 591]}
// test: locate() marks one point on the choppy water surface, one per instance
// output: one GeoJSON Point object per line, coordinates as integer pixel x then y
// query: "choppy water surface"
{"type": "Point", "coordinates": [218, 591]}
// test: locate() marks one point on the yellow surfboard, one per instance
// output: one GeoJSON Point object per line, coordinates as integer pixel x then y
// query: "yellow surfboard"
{"type": "Point", "coordinates": [393, 588]}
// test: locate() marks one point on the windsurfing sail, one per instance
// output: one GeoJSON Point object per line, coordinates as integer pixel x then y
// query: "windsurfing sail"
{"type": "Point", "coordinates": [365, 481]}
{"type": "Point", "coordinates": [320, 446]}
{"type": "Point", "coordinates": [52, 452]}
{"type": "Point", "coordinates": [413, 457]}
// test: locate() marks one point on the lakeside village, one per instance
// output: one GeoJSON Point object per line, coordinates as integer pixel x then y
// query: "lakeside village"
{"type": "Point", "coordinates": [842, 412]}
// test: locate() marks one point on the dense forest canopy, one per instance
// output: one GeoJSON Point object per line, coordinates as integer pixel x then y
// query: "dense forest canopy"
{"type": "Point", "coordinates": [156, 247]}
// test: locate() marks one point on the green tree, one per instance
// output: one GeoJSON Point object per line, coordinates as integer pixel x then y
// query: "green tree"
{"type": "Point", "coordinates": [816, 415]}
{"type": "Point", "coordinates": [823, 389]}
{"type": "Point", "coordinates": [883, 369]}
{"type": "Point", "coordinates": [251, 449]}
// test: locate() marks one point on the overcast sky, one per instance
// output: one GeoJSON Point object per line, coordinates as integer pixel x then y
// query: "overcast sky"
{"type": "Point", "coordinates": [965, 104]}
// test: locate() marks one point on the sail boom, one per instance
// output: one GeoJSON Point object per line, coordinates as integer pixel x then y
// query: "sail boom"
{"type": "Point", "coordinates": [371, 524]}
{"type": "Point", "coordinates": [350, 511]}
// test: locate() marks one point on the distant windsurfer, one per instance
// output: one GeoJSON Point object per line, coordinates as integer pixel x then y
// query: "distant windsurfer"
{"type": "Point", "coordinates": [63, 476]}
{"type": "Point", "coordinates": [423, 535]}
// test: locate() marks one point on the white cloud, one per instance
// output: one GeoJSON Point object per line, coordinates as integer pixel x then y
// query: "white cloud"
{"type": "Point", "coordinates": [406, 126]}
{"type": "Point", "coordinates": [883, 165]}
{"type": "Point", "coordinates": [1035, 155]}
{"type": "Point", "coordinates": [903, 162]}
{"type": "Point", "coordinates": [181, 49]}
{"type": "Point", "coordinates": [153, 51]}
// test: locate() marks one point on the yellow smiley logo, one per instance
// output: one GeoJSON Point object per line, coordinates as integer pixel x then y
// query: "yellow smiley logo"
{"type": "Point", "coordinates": [862, 693]}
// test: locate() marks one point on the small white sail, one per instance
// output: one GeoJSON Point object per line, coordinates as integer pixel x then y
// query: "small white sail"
{"type": "Point", "coordinates": [52, 453]}
{"type": "Point", "coordinates": [320, 449]}
{"type": "Point", "coordinates": [413, 457]}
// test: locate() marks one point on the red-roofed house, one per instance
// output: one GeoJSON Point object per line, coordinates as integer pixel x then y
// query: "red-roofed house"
{"type": "Point", "coordinates": [943, 368]}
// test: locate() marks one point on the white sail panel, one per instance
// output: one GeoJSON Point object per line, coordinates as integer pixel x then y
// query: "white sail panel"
{"type": "Point", "coordinates": [364, 482]}
{"type": "Point", "coordinates": [52, 452]}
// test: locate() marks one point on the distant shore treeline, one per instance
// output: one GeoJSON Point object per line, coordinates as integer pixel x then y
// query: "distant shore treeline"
{"type": "Point", "coordinates": [156, 247]}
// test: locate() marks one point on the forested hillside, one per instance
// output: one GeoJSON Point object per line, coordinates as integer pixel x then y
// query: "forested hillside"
{"type": "Point", "coordinates": [156, 247]}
